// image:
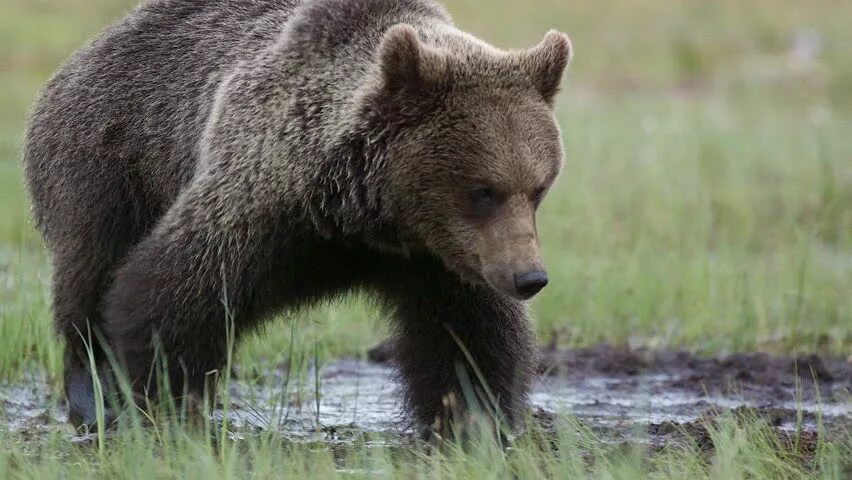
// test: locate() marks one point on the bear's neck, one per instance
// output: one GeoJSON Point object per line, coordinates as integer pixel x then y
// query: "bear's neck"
{"type": "Point", "coordinates": [329, 57]}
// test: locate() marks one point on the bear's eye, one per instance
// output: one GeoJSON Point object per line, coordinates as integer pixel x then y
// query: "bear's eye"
{"type": "Point", "coordinates": [484, 201]}
{"type": "Point", "coordinates": [484, 194]}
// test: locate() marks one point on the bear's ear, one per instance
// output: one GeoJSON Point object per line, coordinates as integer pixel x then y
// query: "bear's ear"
{"type": "Point", "coordinates": [546, 63]}
{"type": "Point", "coordinates": [406, 62]}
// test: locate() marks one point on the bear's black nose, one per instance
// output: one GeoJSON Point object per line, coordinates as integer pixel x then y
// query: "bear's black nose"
{"type": "Point", "coordinates": [528, 284]}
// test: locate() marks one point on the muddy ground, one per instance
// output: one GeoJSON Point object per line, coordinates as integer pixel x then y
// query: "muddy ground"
{"type": "Point", "coordinates": [652, 397]}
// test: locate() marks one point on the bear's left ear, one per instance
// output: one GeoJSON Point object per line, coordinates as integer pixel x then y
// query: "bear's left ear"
{"type": "Point", "coordinates": [546, 63]}
{"type": "Point", "coordinates": [406, 62]}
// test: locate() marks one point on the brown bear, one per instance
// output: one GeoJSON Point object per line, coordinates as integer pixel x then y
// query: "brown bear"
{"type": "Point", "coordinates": [249, 156]}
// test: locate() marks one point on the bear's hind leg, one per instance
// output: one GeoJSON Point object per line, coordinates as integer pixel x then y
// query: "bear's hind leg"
{"type": "Point", "coordinates": [82, 272]}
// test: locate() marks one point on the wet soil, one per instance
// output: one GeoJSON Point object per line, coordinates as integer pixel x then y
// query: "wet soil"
{"type": "Point", "coordinates": [657, 398]}
{"type": "Point", "coordinates": [757, 378]}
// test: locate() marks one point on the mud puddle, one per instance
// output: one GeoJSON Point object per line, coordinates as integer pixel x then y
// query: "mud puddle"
{"type": "Point", "coordinates": [624, 395]}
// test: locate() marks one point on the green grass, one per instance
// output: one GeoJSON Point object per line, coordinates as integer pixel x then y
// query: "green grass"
{"type": "Point", "coordinates": [746, 449]}
{"type": "Point", "coordinates": [706, 204]}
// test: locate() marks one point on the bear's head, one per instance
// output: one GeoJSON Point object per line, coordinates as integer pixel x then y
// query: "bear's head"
{"type": "Point", "coordinates": [474, 150]}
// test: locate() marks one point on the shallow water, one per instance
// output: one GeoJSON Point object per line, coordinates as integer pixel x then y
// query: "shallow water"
{"type": "Point", "coordinates": [364, 395]}
{"type": "Point", "coordinates": [358, 397]}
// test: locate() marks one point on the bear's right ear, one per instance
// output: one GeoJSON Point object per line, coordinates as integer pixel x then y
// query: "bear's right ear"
{"type": "Point", "coordinates": [406, 62]}
{"type": "Point", "coordinates": [547, 62]}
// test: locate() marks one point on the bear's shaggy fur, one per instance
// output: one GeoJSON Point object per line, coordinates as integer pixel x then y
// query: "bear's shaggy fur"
{"type": "Point", "coordinates": [259, 155]}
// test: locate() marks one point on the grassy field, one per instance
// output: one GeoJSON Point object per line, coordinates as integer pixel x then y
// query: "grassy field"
{"type": "Point", "coordinates": [706, 204]}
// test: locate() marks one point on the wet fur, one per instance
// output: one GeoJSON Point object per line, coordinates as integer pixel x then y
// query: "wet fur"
{"type": "Point", "coordinates": [204, 152]}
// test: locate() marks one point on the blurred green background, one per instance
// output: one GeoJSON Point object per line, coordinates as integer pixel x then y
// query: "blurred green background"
{"type": "Point", "coordinates": [706, 202]}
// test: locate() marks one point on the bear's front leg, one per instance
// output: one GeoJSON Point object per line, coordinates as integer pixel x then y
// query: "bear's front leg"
{"type": "Point", "coordinates": [204, 270]}
{"type": "Point", "coordinates": [452, 337]}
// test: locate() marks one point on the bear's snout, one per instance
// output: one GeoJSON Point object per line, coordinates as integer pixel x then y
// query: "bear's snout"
{"type": "Point", "coordinates": [509, 252]}
{"type": "Point", "coordinates": [529, 284]}
{"type": "Point", "coordinates": [521, 284]}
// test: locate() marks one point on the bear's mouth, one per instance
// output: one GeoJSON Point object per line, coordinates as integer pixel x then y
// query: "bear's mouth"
{"type": "Point", "coordinates": [503, 284]}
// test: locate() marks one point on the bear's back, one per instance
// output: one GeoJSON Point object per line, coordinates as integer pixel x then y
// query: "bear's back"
{"type": "Point", "coordinates": [131, 106]}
